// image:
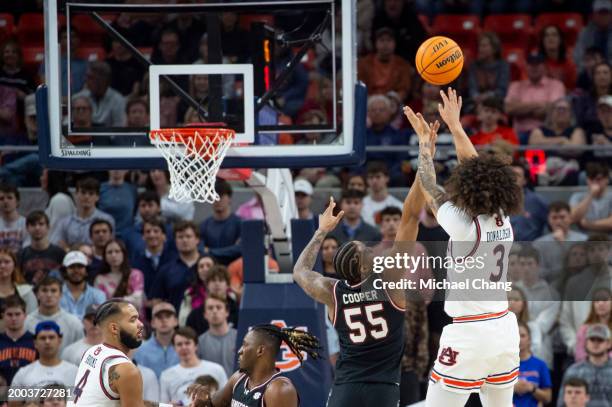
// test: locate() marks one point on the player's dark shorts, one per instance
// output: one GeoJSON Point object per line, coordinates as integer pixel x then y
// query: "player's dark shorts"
{"type": "Point", "coordinates": [364, 395]}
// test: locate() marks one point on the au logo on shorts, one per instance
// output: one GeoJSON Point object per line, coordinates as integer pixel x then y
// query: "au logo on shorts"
{"type": "Point", "coordinates": [448, 356]}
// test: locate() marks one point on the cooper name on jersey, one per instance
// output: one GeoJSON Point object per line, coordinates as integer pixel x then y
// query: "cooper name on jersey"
{"type": "Point", "coordinates": [502, 234]}
{"type": "Point", "coordinates": [363, 296]}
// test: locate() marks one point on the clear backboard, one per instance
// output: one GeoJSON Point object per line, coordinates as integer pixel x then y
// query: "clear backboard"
{"type": "Point", "coordinates": [282, 74]}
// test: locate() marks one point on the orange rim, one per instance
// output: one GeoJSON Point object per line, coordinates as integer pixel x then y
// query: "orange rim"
{"type": "Point", "coordinates": [197, 134]}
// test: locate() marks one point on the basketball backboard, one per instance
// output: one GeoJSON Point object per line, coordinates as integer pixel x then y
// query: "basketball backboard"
{"type": "Point", "coordinates": [255, 92]}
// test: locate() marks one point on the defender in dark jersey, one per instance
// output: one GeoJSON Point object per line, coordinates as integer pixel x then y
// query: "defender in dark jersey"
{"type": "Point", "coordinates": [258, 383]}
{"type": "Point", "coordinates": [369, 321]}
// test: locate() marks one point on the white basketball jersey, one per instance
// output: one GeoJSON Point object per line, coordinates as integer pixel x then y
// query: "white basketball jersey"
{"type": "Point", "coordinates": [91, 386]}
{"type": "Point", "coordinates": [477, 286]}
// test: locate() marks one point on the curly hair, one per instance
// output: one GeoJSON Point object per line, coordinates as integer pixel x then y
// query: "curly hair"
{"type": "Point", "coordinates": [484, 185]}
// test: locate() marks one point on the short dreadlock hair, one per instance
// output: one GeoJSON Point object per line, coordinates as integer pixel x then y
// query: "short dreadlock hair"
{"type": "Point", "coordinates": [298, 341]}
{"type": "Point", "coordinates": [108, 309]}
{"type": "Point", "coordinates": [347, 262]}
{"type": "Point", "coordinates": [484, 185]}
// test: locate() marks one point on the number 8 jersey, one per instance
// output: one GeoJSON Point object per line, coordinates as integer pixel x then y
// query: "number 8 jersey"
{"type": "Point", "coordinates": [477, 276]}
{"type": "Point", "coordinates": [370, 331]}
{"type": "Point", "coordinates": [92, 388]}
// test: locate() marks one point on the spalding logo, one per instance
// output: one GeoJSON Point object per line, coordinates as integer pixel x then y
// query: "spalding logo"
{"type": "Point", "coordinates": [288, 361]}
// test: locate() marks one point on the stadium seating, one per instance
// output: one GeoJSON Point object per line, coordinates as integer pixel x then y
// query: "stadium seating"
{"type": "Point", "coordinates": [245, 21]}
{"type": "Point", "coordinates": [33, 56]}
{"type": "Point", "coordinates": [516, 58]}
{"type": "Point", "coordinates": [91, 32]}
{"type": "Point", "coordinates": [7, 25]}
{"type": "Point", "coordinates": [91, 53]}
{"type": "Point", "coordinates": [514, 30]}
{"type": "Point", "coordinates": [463, 28]}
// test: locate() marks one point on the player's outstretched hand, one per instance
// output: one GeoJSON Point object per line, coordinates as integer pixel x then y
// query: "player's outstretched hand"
{"type": "Point", "coordinates": [426, 132]}
{"type": "Point", "coordinates": [327, 220]}
{"type": "Point", "coordinates": [199, 394]}
{"type": "Point", "coordinates": [450, 108]}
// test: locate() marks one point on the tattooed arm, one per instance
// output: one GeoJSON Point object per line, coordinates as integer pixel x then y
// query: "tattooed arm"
{"type": "Point", "coordinates": [314, 284]}
{"type": "Point", "coordinates": [125, 379]}
{"type": "Point", "coordinates": [427, 173]}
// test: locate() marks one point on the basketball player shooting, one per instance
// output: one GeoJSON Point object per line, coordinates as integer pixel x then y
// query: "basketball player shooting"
{"type": "Point", "coordinates": [369, 320]}
{"type": "Point", "coordinates": [258, 382]}
{"type": "Point", "coordinates": [106, 376]}
{"type": "Point", "coordinates": [480, 195]}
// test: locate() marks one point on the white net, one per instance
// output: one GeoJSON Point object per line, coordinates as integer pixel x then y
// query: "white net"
{"type": "Point", "coordinates": [193, 160]}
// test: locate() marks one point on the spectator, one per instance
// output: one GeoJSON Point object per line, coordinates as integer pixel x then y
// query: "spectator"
{"type": "Point", "coordinates": [159, 181]}
{"type": "Point", "coordinates": [489, 74]}
{"type": "Point", "coordinates": [378, 197]}
{"type": "Point", "coordinates": [600, 134]}
{"type": "Point", "coordinates": [155, 253]}
{"type": "Point", "coordinates": [598, 273]}
{"type": "Point", "coordinates": [60, 204]}
{"type": "Point", "coordinates": [490, 111]}
{"type": "Point", "coordinates": [49, 293]}
{"type": "Point", "coordinates": [16, 344]}
{"type": "Point", "coordinates": [401, 17]}
{"type": "Point", "coordinates": [118, 199]}
{"type": "Point", "coordinates": [157, 352]}
{"type": "Point", "coordinates": [383, 71]}
{"type": "Point", "coordinates": [82, 118]}
{"type": "Point", "coordinates": [49, 368]}
{"type": "Point", "coordinates": [529, 225]}
{"type": "Point", "coordinates": [574, 261]}
{"type": "Point", "coordinates": [534, 385]}
{"type": "Point", "coordinates": [117, 279]}
{"type": "Point", "coordinates": [129, 71]}
{"type": "Point", "coordinates": [600, 313]}
{"type": "Point", "coordinates": [77, 295]}
{"type": "Point", "coordinates": [12, 282]}
{"type": "Point", "coordinates": [320, 105]}
{"type": "Point", "coordinates": [137, 115]}
{"type": "Point", "coordinates": [73, 353]}
{"type": "Point", "coordinates": [315, 118]}
{"type": "Point", "coordinates": [100, 233]}
{"type": "Point", "coordinates": [585, 104]}
{"type": "Point", "coordinates": [108, 104]}
{"type": "Point", "coordinates": [199, 90]}
{"type": "Point", "coordinates": [232, 38]}
{"type": "Point", "coordinates": [74, 229]}
{"type": "Point", "coordinates": [218, 343]}
{"type": "Point", "coordinates": [558, 63]}
{"type": "Point", "coordinates": [591, 209]}
{"type": "Point", "coordinates": [195, 294]}
{"type": "Point", "coordinates": [352, 226]}
{"type": "Point", "coordinates": [528, 100]}
{"type": "Point", "coordinates": [174, 277]}
{"type": "Point", "coordinates": [8, 117]}
{"type": "Point", "coordinates": [251, 209]}
{"type": "Point", "coordinates": [515, 271]}
{"type": "Point", "coordinates": [592, 56]}
{"type": "Point", "coordinates": [291, 96]}
{"type": "Point", "coordinates": [560, 129]}
{"type": "Point", "coordinates": [543, 300]}
{"type": "Point", "coordinates": [218, 284]}
{"type": "Point", "coordinates": [597, 32]}
{"type": "Point", "coordinates": [40, 258]}
{"type": "Point", "coordinates": [303, 200]}
{"type": "Point", "coordinates": [175, 380]}
{"type": "Point", "coordinates": [148, 207]}
{"type": "Point", "coordinates": [518, 304]}
{"type": "Point", "coordinates": [12, 73]}
{"type": "Point", "coordinates": [13, 231]}
{"type": "Point", "coordinates": [575, 392]}
{"type": "Point", "coordinates": [553, 246]}
{"type": "Point", "coordinates": [78, 66]}
{"type": "Point", "coordinates": [236, 273]}
{"type": "Point", "coordinates": [220, 233]}
{"type": "Point", "coordinates": [329, 247]}
{"type": "Point", "coordinates": [380, 133]}
{"type": "Point", "coordinates": [358, 182]}
{"type": "Point", "coordinates": [596, 370]}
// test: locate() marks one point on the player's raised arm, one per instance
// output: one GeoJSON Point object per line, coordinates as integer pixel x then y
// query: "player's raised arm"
{"type": "Point", "coordinates": [316, 286]}
{"type": "Point", "coordinates": [450, 112]}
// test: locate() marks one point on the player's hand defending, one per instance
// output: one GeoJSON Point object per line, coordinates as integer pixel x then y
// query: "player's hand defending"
{"type": "Point", "coordinates": [199, 394]}
{"type": "Point", "coordinates": [450, 109]}
{"type": "Point", "coordinates": [327, 220]}
{"type": "Point", "coordinates": [425, 132]}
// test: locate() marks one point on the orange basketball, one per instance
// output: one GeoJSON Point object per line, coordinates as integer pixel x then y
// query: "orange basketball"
{"type": "Point", "coordinates": [439, 60]}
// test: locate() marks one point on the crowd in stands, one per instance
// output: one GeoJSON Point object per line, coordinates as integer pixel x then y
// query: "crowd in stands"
{"type": "Point", "coordinates": [119, 235]}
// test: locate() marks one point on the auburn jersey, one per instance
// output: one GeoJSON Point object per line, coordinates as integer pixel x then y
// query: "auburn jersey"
{"type": "Point", "coordinates": [370, 331]}
{"type": "Point", "coordinates": [478, 285]}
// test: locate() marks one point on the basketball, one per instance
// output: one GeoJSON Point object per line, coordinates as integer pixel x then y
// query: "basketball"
{"type": "Point", "coordinates": [439, 60]}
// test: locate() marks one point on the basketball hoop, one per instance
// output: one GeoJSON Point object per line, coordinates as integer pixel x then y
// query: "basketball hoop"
{"type": "Point", "coordinates": [194, 156]}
